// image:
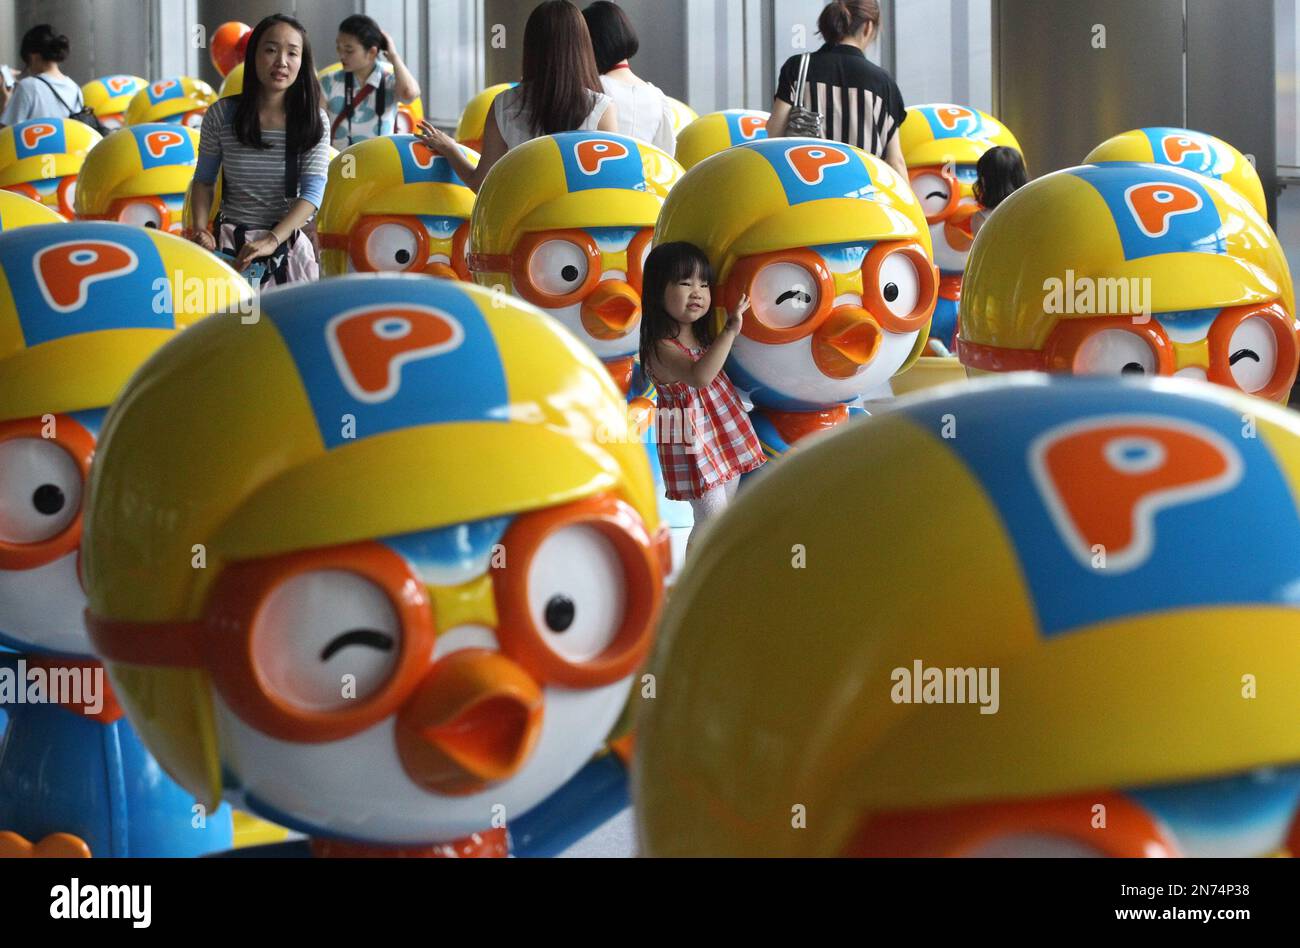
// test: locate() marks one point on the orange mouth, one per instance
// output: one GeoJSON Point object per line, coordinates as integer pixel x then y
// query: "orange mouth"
{"type": "Point", "coordinates": [957, 229]}
{"type": "Point", "coordinates": [474, 722]}
{"type": "Point", "coordinates": [848, 340]}
{"type": "Point", "coordinates": [442, 270]}
{"type": "Point", "coordinates": [611, 310]}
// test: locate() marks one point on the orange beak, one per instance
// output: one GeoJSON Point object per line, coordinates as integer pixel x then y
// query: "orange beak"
{"type": "Point", "coordinates": [473, 722]}
{"type": "Point", "coordinates": [441, 270]}
{"type": "Point", "coordinates": [956, 229]}
{"type": "Point", "coordinates": [611, 310]}
{"type": "Point", "coordinates": [848, 340]}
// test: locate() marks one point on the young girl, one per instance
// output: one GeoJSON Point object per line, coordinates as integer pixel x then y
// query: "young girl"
{"type": "Point", "coordinates": [1000, 171]}
{"type": "Point", "coordinates": [705, 440]}
{"type": "Point", "coordinates": [270, 144]}
{"type": "Point", "coordinates": [362, 97]}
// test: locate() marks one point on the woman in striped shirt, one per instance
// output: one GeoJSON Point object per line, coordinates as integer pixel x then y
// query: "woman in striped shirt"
{"type": "Point", "coordinates": [270, 144]}
{"type": "Point", "coordinates": [859, 102]}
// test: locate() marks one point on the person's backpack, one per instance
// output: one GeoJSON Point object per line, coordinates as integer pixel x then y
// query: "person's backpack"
{"type": "Point", "coordinates": [803, 123]}
{"type": "Point", "coordinates": [85, 116]}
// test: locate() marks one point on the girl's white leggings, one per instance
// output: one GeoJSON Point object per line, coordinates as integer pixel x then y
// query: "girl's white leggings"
{"type": "Point", "coordinates": [710, 505]}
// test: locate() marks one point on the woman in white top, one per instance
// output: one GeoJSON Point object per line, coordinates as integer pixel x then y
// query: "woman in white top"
{"type": "Point", "coordinates": [643, 110]}
{"type": "Point", "coordinates": [559, 92]}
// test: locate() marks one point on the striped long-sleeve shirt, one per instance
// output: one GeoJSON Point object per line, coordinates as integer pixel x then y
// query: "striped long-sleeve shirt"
{"type": "Point", "coordinates": [859, 102]}
{"type": "Point", "coordinates": [252, 189]}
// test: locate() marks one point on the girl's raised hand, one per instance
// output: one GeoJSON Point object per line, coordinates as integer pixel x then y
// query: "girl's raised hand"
{"type": "Point", "coordinates": [736, 318]}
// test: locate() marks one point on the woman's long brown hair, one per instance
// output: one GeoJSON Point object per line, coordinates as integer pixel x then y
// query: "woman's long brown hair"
{"type": "Point", "coordinates": [559, 68]}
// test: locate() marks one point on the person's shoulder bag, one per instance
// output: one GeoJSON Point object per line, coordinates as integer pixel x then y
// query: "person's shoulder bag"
{"type": "Point", "coordinates": [85, 116]}
{"type": "Point", "coordinates": [803, 123]}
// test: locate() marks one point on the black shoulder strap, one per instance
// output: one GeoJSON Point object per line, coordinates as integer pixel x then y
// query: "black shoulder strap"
{"type": "Point", "coordinates": [49, 85]}
{"type": "Point", "coordinates": [291, 161]}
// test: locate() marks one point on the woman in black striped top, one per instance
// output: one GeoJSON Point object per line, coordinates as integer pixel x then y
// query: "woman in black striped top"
{"type": "Point", "coordinates": [859, 102]}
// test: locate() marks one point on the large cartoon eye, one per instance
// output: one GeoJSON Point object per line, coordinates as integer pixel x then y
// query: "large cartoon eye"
{"type": "Point", "coordinates": [1252, 354]}
{"type": "Point", "coordinates": [784, 295]}
{"type": "Point", "coordinates": [392, 247]}
{"type": "Point", "coordinates": [140, 214]}
{"type": "Point", "coordinates": [1115, 352]}
{"type": "Point", "coordinates": [576, 594]}
{"type": "Point", "coordinates": [558, 267]}
{"type": "Point", "coordinates": [112, 122]}
{"type": "Point", "coordinates": [193, 119]}
{"type": "Point", "coordinates": [934, 193]}
{"type": "Point", "coordinates": [900, 284]}
{"type": "Point", "coordinates": [40, 490]}
{"type": "Point", "coordinates": [326, 638]}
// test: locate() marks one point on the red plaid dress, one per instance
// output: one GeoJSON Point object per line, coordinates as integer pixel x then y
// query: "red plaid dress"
{"type": "Point", "coordinates": [703, 435]}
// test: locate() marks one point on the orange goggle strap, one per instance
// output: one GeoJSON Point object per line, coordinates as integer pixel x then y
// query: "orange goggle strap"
{"type": "Point", "coordinates": [222, 642]}
{"type": "Point", "coordinates": [117, 207]}
{"type": "Point", "coordinates": [1129, 830]}
{"type": "Point", "coordinates": [1062, 346]}
{"type": "Point", "coordinates": [517, 263]}
{"type": "Point", "coordinates": [954, 191]}
{"type": "Point", "coordinates": [80, 444]}
{"type": "Point", "coordinates": [354, 245]}
{"type": "Point", "coordinates": [742, 276]}
{"type": "Point", "coordinates": [215, 642]}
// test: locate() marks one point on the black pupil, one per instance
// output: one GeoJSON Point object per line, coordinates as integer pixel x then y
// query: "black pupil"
{"type": "Point", "coordinates": [570, 273]}
{"type": "Point", "coordinates": [559, 612]}
{"type": "Point", "coordinates": [403, 256]}
{"type": "Point", "coordinates": [151, 224]}
{"type": "Point", "coordinates": [1133, 368]}
{"type": "Point", "coordinates": [891, 292]}
{"type": "Point", "coordinates": [48, 499]}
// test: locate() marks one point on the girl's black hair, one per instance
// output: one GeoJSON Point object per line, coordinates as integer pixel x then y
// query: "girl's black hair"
{"type": "Point", "coordinates": [366, 30]}
{"type": "Point", "coordinates": [612, 36]}
{"type": "Point", "coordinates": [302, 121]}
{"type": "Point", "coordinates": [668, 264]}
{"type": "Point", "coordinates": [559, 68]}
{"type": "Point", "coordinates": [41, 40]}
{"type": "Point", "coordinates": [1001, 170]}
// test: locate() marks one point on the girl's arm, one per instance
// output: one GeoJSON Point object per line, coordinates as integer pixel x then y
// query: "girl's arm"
{"type": "Point", "coordinates": [408, 90]}
{"type": "Point", "coordinates": [674, 365]}
{"type": "Point", "coordinates": [494, 146]}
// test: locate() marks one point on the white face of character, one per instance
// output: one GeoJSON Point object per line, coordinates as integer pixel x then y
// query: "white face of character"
{"type": "Point", "coordinates": [41, 599]}
{"type": "Point", "coordinates": [322, 626]}
{"type": "Point", "coordinates": [948, 201]}
{"type": "Point", "coordinates": [596, 273]}
{"type": "Point", "coordinates": [784, 294]}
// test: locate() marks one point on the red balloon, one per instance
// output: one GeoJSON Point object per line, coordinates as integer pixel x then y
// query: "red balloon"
{"type": "Point", "coordinates": [229, 41]}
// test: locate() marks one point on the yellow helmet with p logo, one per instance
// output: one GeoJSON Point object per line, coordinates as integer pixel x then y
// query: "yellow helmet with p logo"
{"type": "Point", "coordinates": [393, 205]}
{"type": "Point", "coordinates": [139, 175]}
{"type": "Point", "coordinates": [1131, 267]}
{"type": "Point", "coordinates": [181, 99]}
{"type": "Point", "coordinates": [399, 404]}
{"type": "Point", "coordinates": [1192, 151]}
